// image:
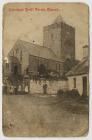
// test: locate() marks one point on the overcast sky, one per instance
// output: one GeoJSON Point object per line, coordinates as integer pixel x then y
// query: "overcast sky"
{"type": "Point", "coordinates": [28, 25]}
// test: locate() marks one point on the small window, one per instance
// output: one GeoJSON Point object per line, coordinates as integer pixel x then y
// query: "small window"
{"type": "Point", "coordinates": [74, 79]}
{"type": "Point", "coordinates": [59, 67]}
{"type": "Point", "coordinates": [56, 67]}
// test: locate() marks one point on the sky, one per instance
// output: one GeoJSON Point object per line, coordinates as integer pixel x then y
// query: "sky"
{"type": "Point", "coordinates": [26, 21]}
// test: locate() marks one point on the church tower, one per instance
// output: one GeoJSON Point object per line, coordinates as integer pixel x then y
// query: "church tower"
{"type": "Point", "coordinates": [60, 37]}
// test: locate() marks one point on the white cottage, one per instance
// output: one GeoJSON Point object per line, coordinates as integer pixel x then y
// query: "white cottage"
{"type": "Point", "coordinates": [78, 77]}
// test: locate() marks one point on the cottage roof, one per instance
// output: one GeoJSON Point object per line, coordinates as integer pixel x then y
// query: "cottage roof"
{"type": "Point", "coordinates": [81, 68]}
{"type": "Point", "coordinates": [36, 50]}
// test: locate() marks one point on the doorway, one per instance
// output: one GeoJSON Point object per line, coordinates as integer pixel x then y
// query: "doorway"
{"type": "Point", "coordinates": [84, 86]}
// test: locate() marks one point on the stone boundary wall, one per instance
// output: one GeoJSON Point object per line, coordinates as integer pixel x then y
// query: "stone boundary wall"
{"type": "Point", "coordinates": [52, 86]}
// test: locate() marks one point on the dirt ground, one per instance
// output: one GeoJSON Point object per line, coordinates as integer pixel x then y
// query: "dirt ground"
{"type": "Point", "coordinates": [43, 115]}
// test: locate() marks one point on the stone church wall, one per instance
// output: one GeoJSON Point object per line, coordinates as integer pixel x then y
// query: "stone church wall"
{"type": "Point", "coordinates": [52, 38]}
{"type": "Point", "coordinates": [35, 62]}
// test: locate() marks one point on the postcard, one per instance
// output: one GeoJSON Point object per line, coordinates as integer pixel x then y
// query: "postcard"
{"type": "Point", "coordinates": [45, 69]}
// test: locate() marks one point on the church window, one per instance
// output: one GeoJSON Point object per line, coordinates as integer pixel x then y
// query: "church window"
{"type": "Point", "coordinates": [51, 36]}
{"type": "Point", "coordinates": [17, 50]}
{"type": "Point", "coordinates": [12, 67]}
{"type": "Point", "coordinates": [59, 67]}
{"type": "Point", "coordinates": [56, 67]}
{"type": "Point", "coordinates": [7, 65]}
{"type": "Point", "coordinates": [47, 64]}
{"type": "Point", "coordinates": [13, 53]}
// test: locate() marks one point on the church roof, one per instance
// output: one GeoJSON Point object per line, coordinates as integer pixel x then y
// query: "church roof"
{"type": "Point", "coordinates": [81, 68]}
{"type": "Point", "coordinates": [36, 50]}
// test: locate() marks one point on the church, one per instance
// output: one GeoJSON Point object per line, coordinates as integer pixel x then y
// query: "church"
{"type": "Point", "coordinates": [58, 45]}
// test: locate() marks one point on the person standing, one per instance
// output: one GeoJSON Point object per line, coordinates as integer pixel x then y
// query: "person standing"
{"type": "Point", "coordinates": [19, 89]}
{"type": "Point", "coordinates": [11, 89]}
{"type": "Point", "coordinates": [45, 88]}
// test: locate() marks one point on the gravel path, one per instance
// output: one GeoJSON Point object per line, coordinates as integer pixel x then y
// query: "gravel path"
{"type": "Point", "coordinates": [28, 115]}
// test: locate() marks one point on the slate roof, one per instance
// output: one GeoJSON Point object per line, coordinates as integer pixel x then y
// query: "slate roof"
{"type": "Point", "coordinates": [81, 68]}
{"type": "Point", "coordinates": [36, 50]}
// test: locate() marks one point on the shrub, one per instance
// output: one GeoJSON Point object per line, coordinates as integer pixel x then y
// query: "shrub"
{"type": "Point", "coordinates": [69, 93]}
{"type": "Point", "coordinates": [60, 92]}
{"type": "Point", "coordinates": [74, 93]}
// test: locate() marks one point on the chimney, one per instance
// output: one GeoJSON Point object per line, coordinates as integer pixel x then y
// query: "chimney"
{"type": "Point", "coordinates": [85, 51]}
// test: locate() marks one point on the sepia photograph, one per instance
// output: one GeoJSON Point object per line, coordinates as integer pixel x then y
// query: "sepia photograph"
{"type": "Point", "coordinates": [45, 70]}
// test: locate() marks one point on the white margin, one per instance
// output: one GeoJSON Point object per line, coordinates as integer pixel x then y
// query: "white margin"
{"type": "Point", "coordinates": [89, 136]}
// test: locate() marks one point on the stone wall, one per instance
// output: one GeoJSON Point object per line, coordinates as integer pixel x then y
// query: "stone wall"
{"type": "Point", "coordinates": [60, 37]}
{"type": "Point", "coordinates": [33, 62]}
{"type": "Point", "coordinates": [67, 41]}
{"type": "Point", "coordinates": [52, 38]}
{"type": "Point", "coordinates": [52, 86]}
